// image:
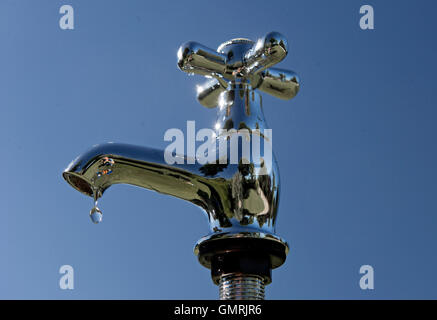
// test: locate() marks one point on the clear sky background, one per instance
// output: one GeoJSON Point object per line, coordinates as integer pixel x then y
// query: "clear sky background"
{"type": "Point", "coordinates": [356, 148]}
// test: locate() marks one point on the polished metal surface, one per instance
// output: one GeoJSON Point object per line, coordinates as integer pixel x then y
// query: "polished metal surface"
{"type": "Point", "coordinates": [240, 200]}
{"type": "Point", "coordinates": [240, 60]}
{"type": "Point", "coordinates": [241, 287]}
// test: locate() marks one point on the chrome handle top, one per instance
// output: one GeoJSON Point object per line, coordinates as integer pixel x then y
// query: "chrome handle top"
{"type": "Point", "coordinates": [240, 60]}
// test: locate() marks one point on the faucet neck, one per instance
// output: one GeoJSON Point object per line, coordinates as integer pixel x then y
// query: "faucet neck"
{"type": "Point", "coordinates": [240, 107]}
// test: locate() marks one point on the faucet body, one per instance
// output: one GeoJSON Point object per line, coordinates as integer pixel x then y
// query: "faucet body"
{"type": "Point", "coordinates": [239, 198]}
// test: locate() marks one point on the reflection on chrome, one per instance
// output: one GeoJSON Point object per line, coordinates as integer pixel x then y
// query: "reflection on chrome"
{"type": "Point", "coordinates": [239, 202]}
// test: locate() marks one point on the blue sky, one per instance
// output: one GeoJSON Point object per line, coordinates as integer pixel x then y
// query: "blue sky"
{"type": "Point", "coordinates": [356, 147]}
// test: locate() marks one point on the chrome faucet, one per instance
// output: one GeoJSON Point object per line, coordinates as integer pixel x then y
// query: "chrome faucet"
{"type": "Point", "coordinates": [240, 199]}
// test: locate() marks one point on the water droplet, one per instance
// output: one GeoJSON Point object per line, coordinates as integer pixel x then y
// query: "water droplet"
{"type": "Point", "coordinates": [96, 215]}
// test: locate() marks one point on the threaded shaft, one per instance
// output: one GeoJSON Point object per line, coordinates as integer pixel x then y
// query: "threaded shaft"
{"type": "Point", "coordinates": [241, 287]}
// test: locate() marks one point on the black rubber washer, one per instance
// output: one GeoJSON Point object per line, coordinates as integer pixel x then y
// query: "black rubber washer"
{"type": "Point", "coordinates": [256, 256]}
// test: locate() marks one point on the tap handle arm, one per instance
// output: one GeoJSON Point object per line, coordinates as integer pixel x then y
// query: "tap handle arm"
{"type": "Point", "coordinates": [196, 58]}
{"type": "Point", "coordinates": [265, 53]}
{"type": "Point", "coordinates": [280, 83]}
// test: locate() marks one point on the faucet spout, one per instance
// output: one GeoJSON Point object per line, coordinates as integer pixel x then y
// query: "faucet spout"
{"type": "Point", "coordinates": [237, 201]}
{"type": "Point", "coordinates": [114, 163]}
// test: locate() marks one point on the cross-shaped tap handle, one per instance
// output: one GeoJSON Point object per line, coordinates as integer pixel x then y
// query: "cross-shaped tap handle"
{"type": "Point", "coordinates": [240, 60]}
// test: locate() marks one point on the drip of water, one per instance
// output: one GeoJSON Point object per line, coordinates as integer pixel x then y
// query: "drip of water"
{"type": "Point", "coordinates": [96, 214]}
